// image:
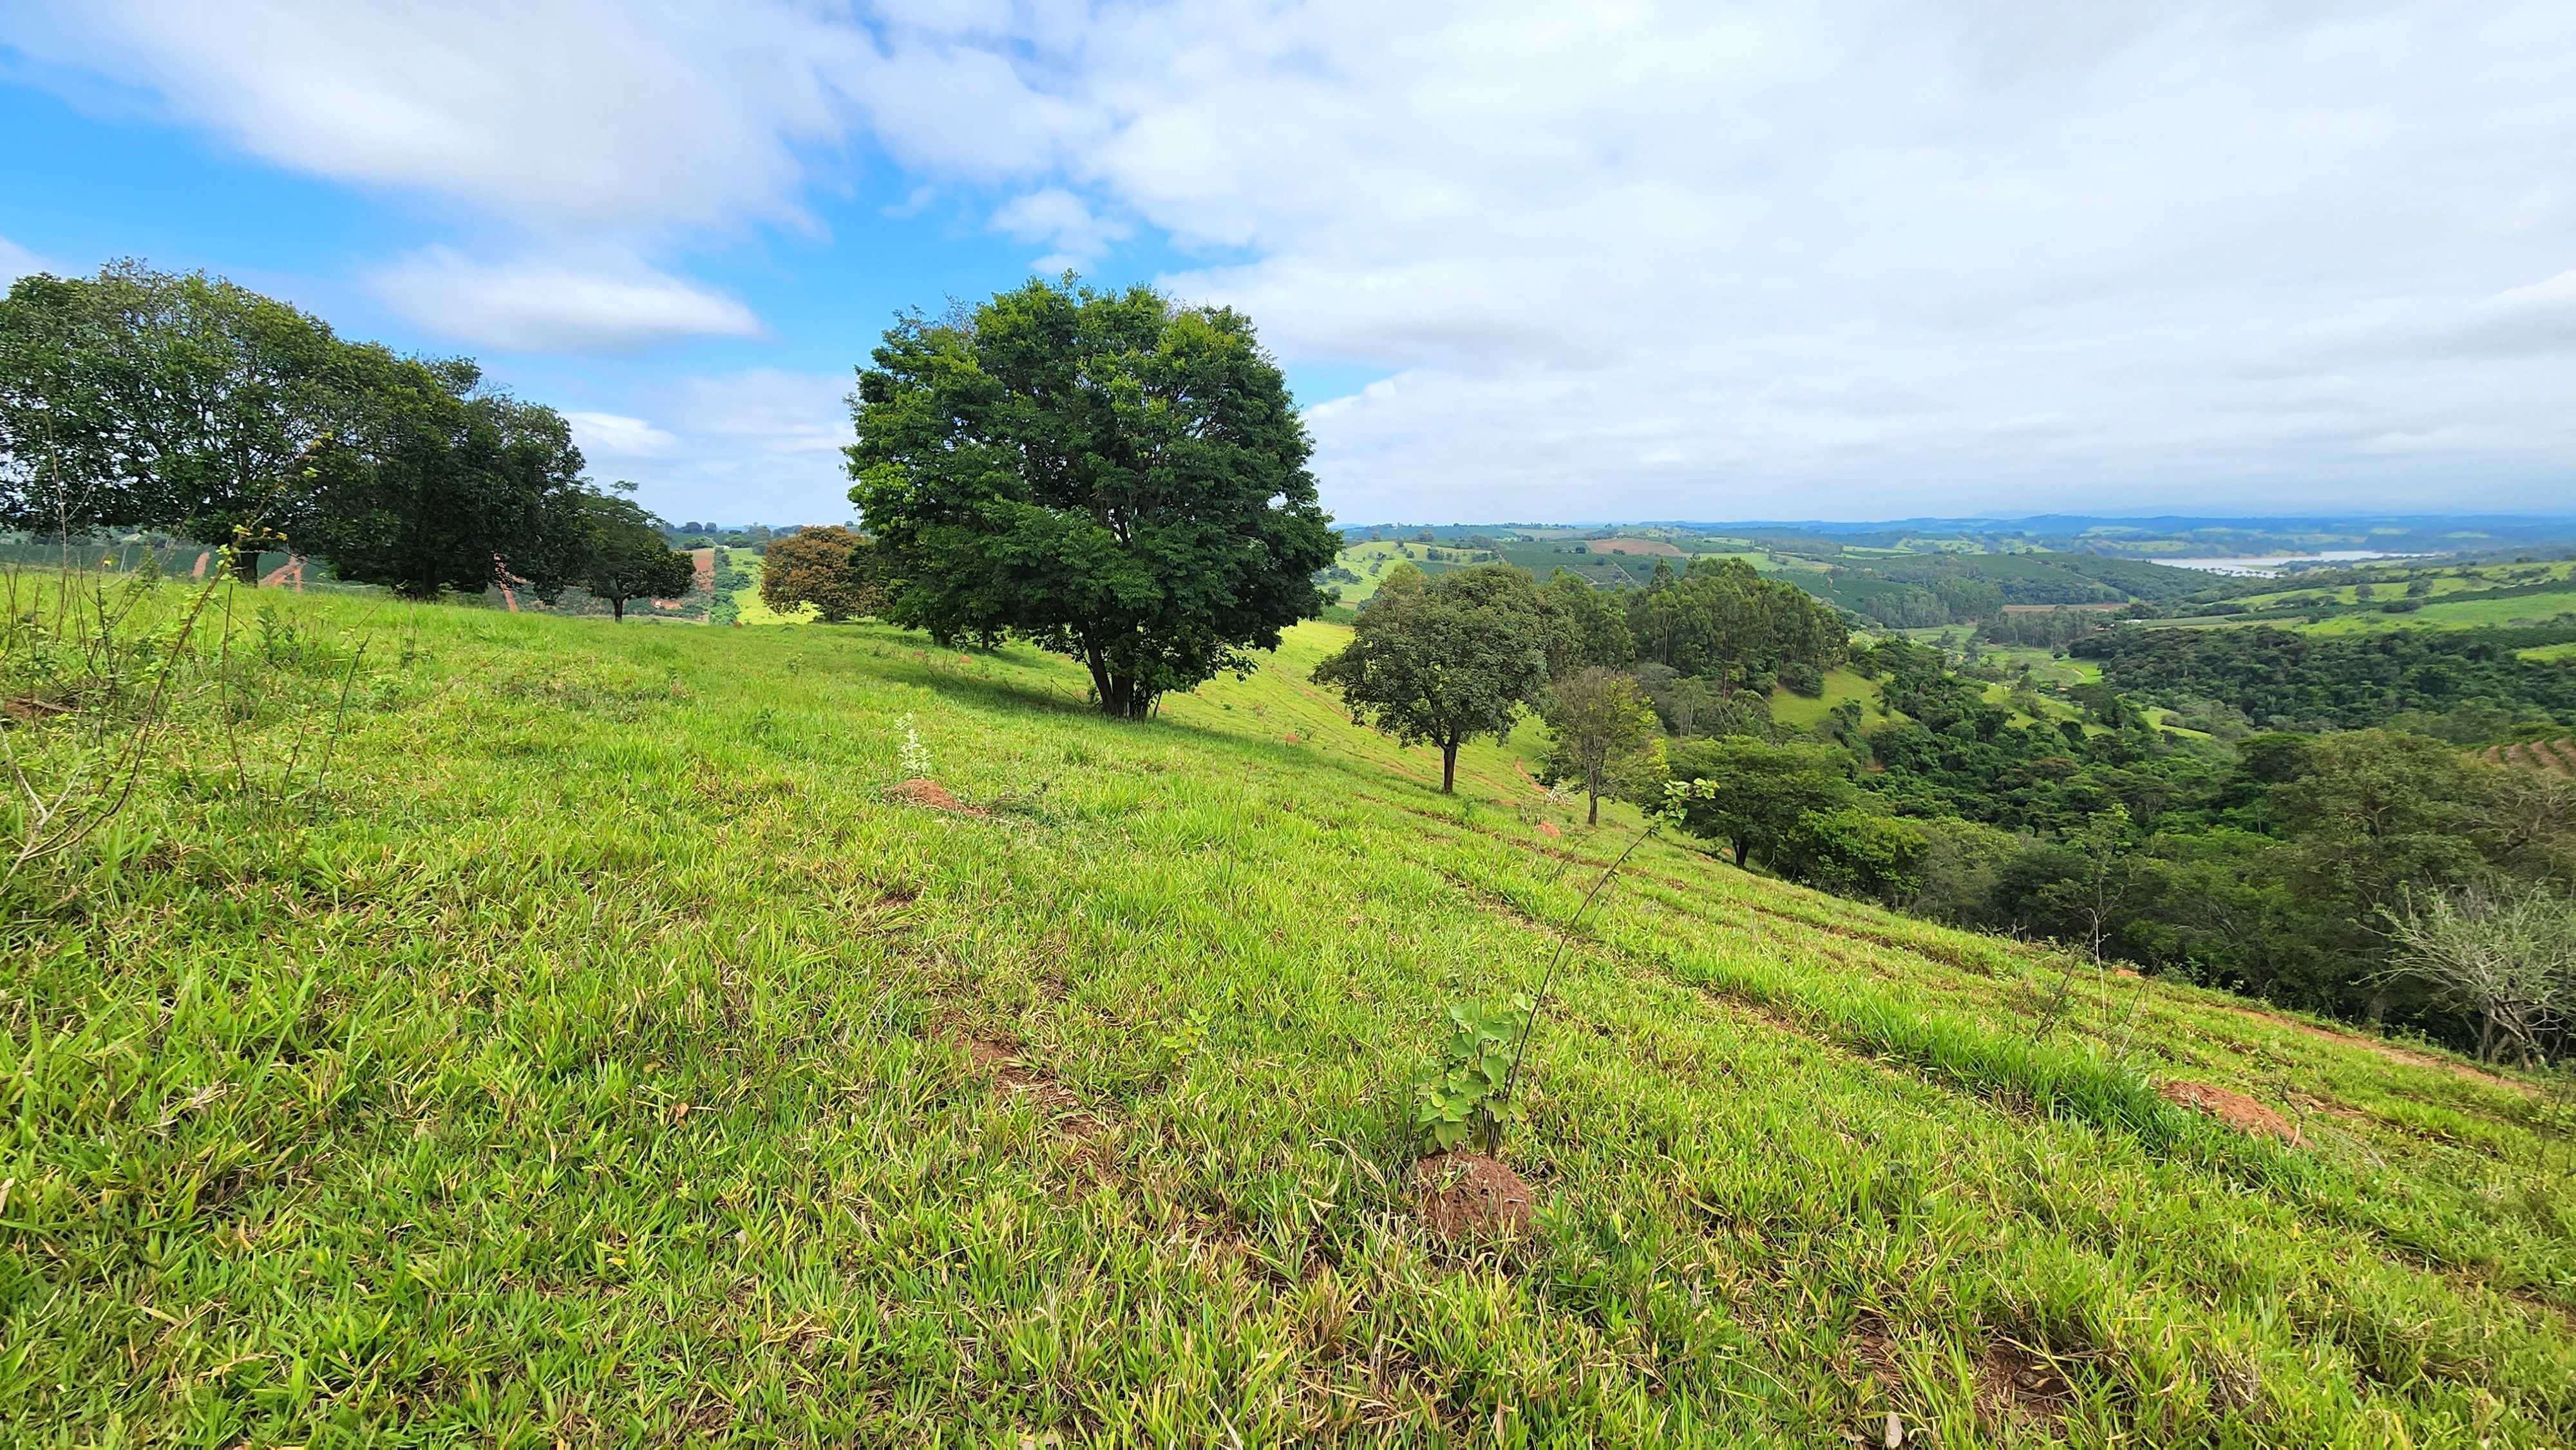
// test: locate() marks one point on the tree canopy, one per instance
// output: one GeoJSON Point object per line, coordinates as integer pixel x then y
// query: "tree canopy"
{"type": "Point", "coordinates": [142, 399]}
{"type": "Point", "coordinates": [1443, 662]}
{"type": "Point", "coordinates": [623, 556]}
{"type": "Point", "coordinates": [825, 566]}
{"type": "Point", "coordinates": [1108, 475]}
{"type": "Point", "coordinates": [1606, 735]}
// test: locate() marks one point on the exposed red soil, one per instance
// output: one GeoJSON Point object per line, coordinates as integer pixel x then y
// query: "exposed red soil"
{"type": "Point", "coordinates": [290, 572]}
{"type": "Point", "coordinates": [2232, 1108]}
{"type": "Point", "coordinates": [1000, 1064]}
{"type": "Point", "coordinates": [704, 581]}
{"type": "Point", "coordinates": [1548, 829]}
{"type": "Point", "coordinates": [930, 795]}
{"type": "Point", "coordinates": [1468, 1195]}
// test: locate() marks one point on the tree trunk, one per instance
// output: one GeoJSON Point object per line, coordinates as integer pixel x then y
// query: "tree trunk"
{"type": "Point", "coordinates": [1739, 846]}
{"type": "Point", "coordinates": [617, 610]}
{"type": "Point", "coordinates": [246, 567]}
{"type": "Point", "coordinates": [1594, 818]}
{"type": "Point", "coordinates": [1448, 767]}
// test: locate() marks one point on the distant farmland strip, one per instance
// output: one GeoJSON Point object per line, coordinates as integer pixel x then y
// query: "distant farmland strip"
{"type": "Point", "coordinates": [2557, 757]}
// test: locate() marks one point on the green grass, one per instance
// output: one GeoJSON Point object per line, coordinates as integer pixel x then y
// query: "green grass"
{"type": "Point", "coordinates": [2460, 612]}
{"type": "Point", "coordinates": [747, 597]}
{"type": "Point", "coordinates": [1387, 553]}
{"type": "Point", "coordinates": [1803, 713]}
{"type": "Point", "coordinates": [583, 1056]}
{"type": "Point", "coordinates": [2549, 652]}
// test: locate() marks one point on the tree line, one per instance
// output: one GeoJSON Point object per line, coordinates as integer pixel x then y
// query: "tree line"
{"type": "Point", "coordinates": [137, 399]}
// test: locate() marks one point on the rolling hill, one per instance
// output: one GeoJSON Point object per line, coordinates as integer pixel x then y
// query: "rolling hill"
{"type": "Point", "coordinates": [811, 1036]}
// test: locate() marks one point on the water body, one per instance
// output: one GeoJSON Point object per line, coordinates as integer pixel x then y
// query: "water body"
{"type": "Point", "coordinates": [2264, 566]}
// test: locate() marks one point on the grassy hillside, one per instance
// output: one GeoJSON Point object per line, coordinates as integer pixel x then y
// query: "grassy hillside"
{"type": "Point", "coordinates": [606, 1043]}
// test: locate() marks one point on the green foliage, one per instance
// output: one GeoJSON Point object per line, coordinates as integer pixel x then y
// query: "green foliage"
{"type": "Point", "coordinates": [189, 404]}
{"type": "Point", "coordinates": [1721, 620]}
{"type": "Point", "coordinates": [2281, 679]}
{"type": "Point", "coordinates": [1586, 626]}
{"type": "Point", "coordinates": [829, 567]}
{"type": "Point", "coordinates": [1851, 851]}
{"type": "Point", "coordinates": [1757, 791]}
{"type": "Point", "coordinates": [1458, 1099]}
{"type": "Point", "coordinates": [622, 556]}
{"type": "Point", "coordinates": [1444, 662]}
{"type": "Point", "coordinates": [1604, 735]}
{"type": "Point", "coordinates": [1108, 475]}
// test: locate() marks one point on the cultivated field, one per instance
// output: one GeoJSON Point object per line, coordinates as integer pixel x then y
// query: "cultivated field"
{"type": "Point", "coordinates": [2557, 757]}
{"type": "Point", "coordinates": [810, 1036]}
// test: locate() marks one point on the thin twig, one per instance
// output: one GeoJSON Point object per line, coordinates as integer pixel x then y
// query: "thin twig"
{"type": "Point", "coordinates": [1538, 1004]}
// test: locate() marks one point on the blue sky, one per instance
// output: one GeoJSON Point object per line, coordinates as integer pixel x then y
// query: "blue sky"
{"type": "Point", "coordinates": [1520, 260]}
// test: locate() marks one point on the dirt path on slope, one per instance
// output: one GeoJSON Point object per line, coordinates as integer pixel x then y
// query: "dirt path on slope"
{"type": "Point", "coordinates": [290, 572]}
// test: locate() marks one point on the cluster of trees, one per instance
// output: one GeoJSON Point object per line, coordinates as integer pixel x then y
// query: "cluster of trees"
{"type": "Point", "coordinates": [2349, 872]}
{"type": "Point", "coordinates": [2293, 866]}
{"type": "Point", "coordinates": [140, 399]}
{"type": "Point", "coordinates": [2315, 681]}
{"type": "Point", "coordinates": [1442, 661]}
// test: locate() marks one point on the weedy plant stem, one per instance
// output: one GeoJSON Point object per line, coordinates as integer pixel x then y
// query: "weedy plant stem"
{"type": "Point", "coordinates": [1538, 1005]}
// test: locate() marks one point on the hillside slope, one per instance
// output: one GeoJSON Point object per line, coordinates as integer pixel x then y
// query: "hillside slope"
{"type": "Point", "coordinates": [613, 1047]}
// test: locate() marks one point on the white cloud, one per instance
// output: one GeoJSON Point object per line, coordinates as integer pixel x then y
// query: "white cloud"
{"type": "Point", "coordinates": [757, 446]}
{"type": "Point", "coordinates": [1623, 259]}
{"type": "Point", "coordinates": [538, 305]}
{"type": "Point", "coordinates": [16, 262]}
{"type": "Point", "coordinates": [614, 435]}
{"type": "Point", "coordinates": [1059, 219]}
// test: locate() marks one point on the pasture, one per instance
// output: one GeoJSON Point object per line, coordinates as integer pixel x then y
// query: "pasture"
{"type": "Point", "coordinates": [810, 1036]}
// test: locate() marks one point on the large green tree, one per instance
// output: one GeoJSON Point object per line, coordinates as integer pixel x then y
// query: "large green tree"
{"type": "Point", "coordinates": [1109, 475]}
{"type": "Point", "coordinates": [622, 555]}
{"type": "Point", "coordinates": [179, 402]}
{"type": "Point", "coordinates": [1444, 662]}
{"type": "Point", "coordinates": [446, 486]}
{"type": "Point", "coordinates": [826, 566]}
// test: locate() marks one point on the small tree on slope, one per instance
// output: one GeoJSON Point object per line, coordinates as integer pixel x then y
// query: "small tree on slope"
{"type": "Point", "coordinates": [1606, 734]}
{"type": "Point", "coordinates": [1442, 663]}
{"type": "Point", "coordinates": [623, 556]}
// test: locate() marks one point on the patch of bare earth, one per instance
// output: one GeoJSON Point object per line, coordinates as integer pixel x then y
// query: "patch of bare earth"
{"type": "Point", "coordinates": [1000, 1064]}
{"type": "Point", "coordinates": [930, 795]}
{"type": "Point", "coordinates": [2013, 1383]}
{"type": "Point", "coordinates": [1468, 1195]}
{"type": "Point", "coordinates": [2234, 1109]}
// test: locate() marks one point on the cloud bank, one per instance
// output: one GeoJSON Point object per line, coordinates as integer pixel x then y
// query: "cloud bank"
{"type": "Point", "coordinates": [1630, 259]}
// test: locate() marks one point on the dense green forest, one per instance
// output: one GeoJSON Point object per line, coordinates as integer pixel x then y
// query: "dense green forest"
{"type": "Point", "coordinates": [2250, 808]}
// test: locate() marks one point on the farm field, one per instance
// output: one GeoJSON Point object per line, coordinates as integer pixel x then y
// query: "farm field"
{"type": "Point", "coordinates": [810, 1036]}
{"type": "Point", "coordinates": [2555, 757]}
{"type": "Point", "coordinates": [2464, 612]}
{"type": "Point", "coordinates": [1801, 712]}
{"type": "Point", "coordinates": [1369, 559]}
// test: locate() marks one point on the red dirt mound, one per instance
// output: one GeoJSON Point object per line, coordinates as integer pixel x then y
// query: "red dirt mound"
{"type": "Point", "coordinates": [1468, 1195]}
{"type": "Point", "coordinates": [930, 795]}
{"type": "Point", "coordinates": [2232, 1108]}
